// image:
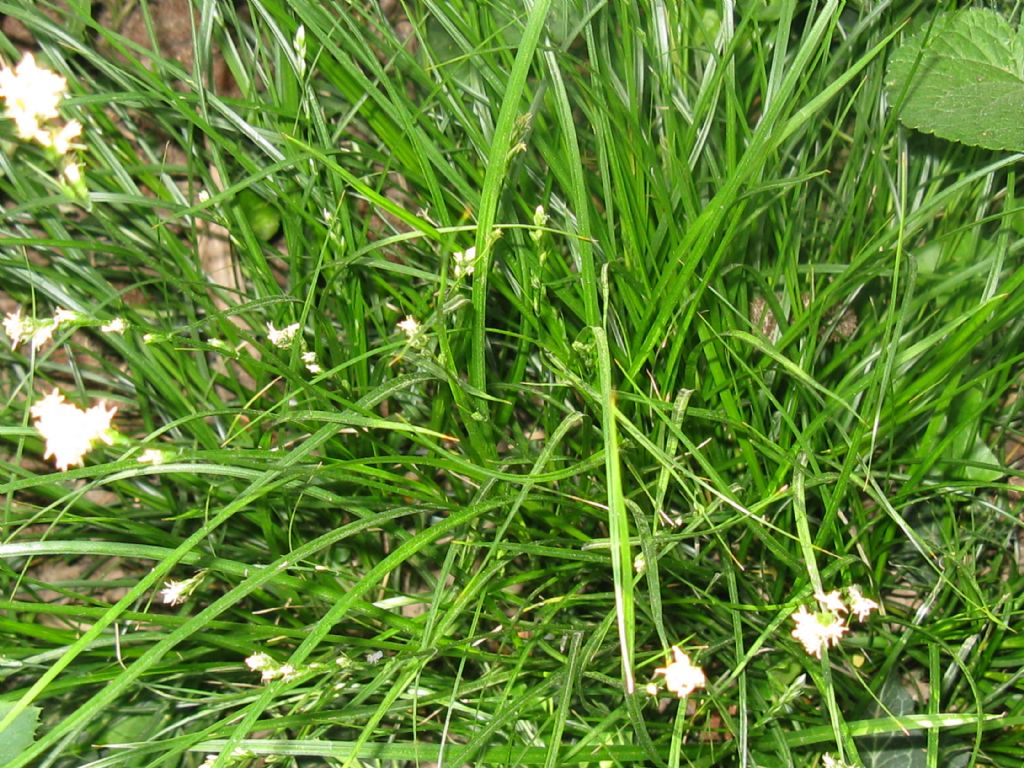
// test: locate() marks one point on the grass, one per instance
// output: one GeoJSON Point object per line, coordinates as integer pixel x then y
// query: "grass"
{"type": "Point", "coordinates": [758, 334]}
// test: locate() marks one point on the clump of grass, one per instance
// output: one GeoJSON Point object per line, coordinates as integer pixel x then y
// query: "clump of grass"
{"type": "Point", "coordinates": [483, 373]}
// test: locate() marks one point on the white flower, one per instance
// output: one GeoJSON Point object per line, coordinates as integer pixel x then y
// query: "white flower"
{"type": "Point", "coordinates": [69, 431]}
{"type": "Point", "coordinates": [62, 316]}
{"type": "Point", "coordinates": [31, 95]}
{"type": "Point", "coordinates": [269, 669]}
{"type": "Point", "coordinates": [61, 139]}
{"type": "Point", "coordinates": [540, 220]}
{"type": "Point", "coordinates": [17, 328]}
{"type": "Point", "coordinates": [202, 196]}
{"type": "Point", "coordinates": [259, 662]}
{"type": "Point", "coordinates": [374, 656]}
{"type": "Point", "coordinates": [176, 592]}
{"type": "Point", "coordinates": [299, 44]}
{"type": "Point", "coordinates": [409, 326]}
{"type": "Point", "coordinates": [43, 333]}
{"type": "Point", "coordinates": [681, 677]}
{"type": "Point", "coordinates": [816, 631]}
{"type": "Point", "coordinates": [830, 762]}
{"type": "Point", "coordinates": [465, 262]}
{"type": "Point", "coordinates": [285, 672]}
{"type": "Point", "coordinates": [151, 456]}
{"type": "Point", "coordinates": [117, 325]}
{"type": "Point", "coordinates": [860, 605]}
{"type": "Point", "coordinates": [281, 337]}
{"type": "Point", "coordinates": [309, 358]}
{"type": "Point", "coordinates": [833, 601]}
{"type": "Point", "coordinates": [20, 329]}
{"type": "Point", "coordinates": [73, 173]}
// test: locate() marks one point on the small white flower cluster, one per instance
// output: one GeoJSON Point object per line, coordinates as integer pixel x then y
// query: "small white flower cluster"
{"type": "Point", "coordinates": [830, 762]}
{"type": "Point", "coordinates": [117, 325]}
{"type": "Point", "coordinates": [37, 332]}
{"type": "Point", "coordinates": [238, 754]}
{"type": "Point", "coordinates": [282, 338]}
{"type": "Point", "coordinates": [825, 627]}
{"type": "Point", "coordinates": [465, 262]}
{"type": "Point", "coordinates": [32, 97]}
{"type": "Point", "coordinates": [681, 677]}
{"type": "Point", "coordinates": [413, 331]}
{"type": "Point", "coordinates": [70, 432]}
{"type": "Point", "coordinates": [177, 592]}
{"type": "Point", "coordinates": [410, 327]}
{"type": "Point", "coordinates": [20, 329]}
{"type": "Point", "coordinates": [540, 220]}
{"type": "Point", "coordinates": [152, 456]}
{"type": "Point", "coordinates": [309, 359]}
{"type": "Point", "coordinates": [269, 669]}
{"type": "Point", "coordinates": [299, 44]}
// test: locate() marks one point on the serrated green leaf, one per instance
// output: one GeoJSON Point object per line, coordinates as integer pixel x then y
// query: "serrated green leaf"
{"type": "Point", "coordinates": [20, 734]}
{"type": "Point", "coordinates": [962, 80]}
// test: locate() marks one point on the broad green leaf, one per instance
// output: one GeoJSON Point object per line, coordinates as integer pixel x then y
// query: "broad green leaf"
{"type": "Point", "coordinates": [982, 454]}
{"type": "Point", "coordinates": [263, 217]}
{"type": "Point", "coordinates": [968, 444]}
{"type": "Point", "coordinates": [19, 734]}
{"type": "Point", "coordinates": [962, 79]}
{"type": "Point", "coordinates": [894, 749]}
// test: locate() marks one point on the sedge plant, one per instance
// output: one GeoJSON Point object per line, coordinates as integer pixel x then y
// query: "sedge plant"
{"type": "Point", "coordinates": [456, 383]}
